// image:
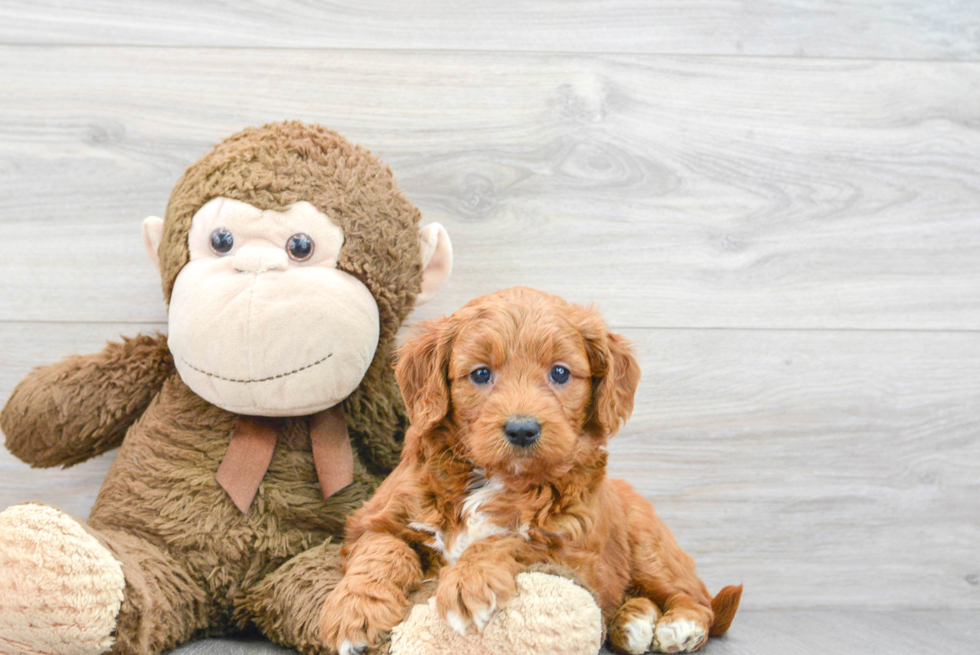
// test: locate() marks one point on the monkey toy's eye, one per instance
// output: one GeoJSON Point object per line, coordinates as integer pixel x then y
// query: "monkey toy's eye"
{"type": "Point", "coordinates": [559, 374]}
{"type": "Point", "coordinates": [222, 241]}
{"type": "Point", "coordinates": [300, 247]}
{"type": "Point", "coordinates": [480, 375]}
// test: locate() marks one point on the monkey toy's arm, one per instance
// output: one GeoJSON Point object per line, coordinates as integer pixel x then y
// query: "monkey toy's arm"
{"type": "Point", "coordinates": [81, 407]}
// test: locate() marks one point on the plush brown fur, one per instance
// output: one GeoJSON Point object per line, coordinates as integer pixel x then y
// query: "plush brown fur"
{"type": "Point", "coordinates": [42, 431]}
{"type": "Point", "coordinates": [460, 479]}
{"type": "Point", "coordinates": [194, 564]}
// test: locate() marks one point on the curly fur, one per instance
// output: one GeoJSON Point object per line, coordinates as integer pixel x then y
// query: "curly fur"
{"type": "Point", "coordinates": [469, 505]}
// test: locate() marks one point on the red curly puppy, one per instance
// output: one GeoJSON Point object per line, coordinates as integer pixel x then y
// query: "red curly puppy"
{"type": "Point", "coordinates": [512, 400]}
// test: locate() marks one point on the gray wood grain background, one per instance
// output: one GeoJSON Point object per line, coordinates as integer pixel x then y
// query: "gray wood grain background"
{"type": "Point", "coordinates": [779, 202]}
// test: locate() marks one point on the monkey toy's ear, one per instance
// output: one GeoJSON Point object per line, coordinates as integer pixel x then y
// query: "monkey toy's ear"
{"type": "Point", "coordinates": [152, 235]}
{"type": "Point", "coordinates": [437, 260]}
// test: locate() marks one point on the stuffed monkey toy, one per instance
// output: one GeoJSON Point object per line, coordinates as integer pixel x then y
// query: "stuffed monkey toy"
{"type": "Point", "coordinates": [289, 259]}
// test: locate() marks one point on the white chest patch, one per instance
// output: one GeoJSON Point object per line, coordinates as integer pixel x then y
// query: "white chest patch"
{"type": "Point", "coordinates": [477, 525]}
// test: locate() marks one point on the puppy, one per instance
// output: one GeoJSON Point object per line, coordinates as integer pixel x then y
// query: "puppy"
{"type": "Point", "coordinates": [512, 400]}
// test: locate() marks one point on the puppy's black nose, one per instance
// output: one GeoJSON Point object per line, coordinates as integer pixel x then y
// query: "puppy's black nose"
{"type": "Point", "coordinates": [522, 430]}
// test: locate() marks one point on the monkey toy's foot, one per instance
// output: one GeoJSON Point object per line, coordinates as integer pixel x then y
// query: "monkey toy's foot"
{"type": "Point", "coordinates": [60, 589]}
{"type": "Point", "coordinates": [549, 615]}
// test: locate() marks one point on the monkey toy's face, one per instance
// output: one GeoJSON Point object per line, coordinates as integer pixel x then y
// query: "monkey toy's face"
{"type": "Point", "coordinates": [262, 321]}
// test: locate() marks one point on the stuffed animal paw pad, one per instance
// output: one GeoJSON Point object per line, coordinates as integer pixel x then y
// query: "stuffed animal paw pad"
{"type": "Point", "coordinates": [60, 589]}
{"type": "Point", "coordinates": [549, 615]}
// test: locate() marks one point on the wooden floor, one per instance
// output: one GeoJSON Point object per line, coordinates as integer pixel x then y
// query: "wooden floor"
{"type": "Point", "coordinates": [778, 632]}
{"type": "Point", "coordinates": [778, 202]}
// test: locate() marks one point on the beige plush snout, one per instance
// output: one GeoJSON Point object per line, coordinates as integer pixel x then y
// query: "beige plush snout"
{"type": "Point", "coordinates": [258, 259]}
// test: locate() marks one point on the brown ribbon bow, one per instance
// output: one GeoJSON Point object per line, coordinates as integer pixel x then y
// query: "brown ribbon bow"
{"type": "Point", "coordinates": [254, 440]}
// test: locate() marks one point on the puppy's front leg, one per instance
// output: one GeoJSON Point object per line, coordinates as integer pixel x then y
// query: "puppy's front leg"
{"type": "Point", "coordinates": [371, 598]}
{"type": "Point", "coordinates": [480, 582]}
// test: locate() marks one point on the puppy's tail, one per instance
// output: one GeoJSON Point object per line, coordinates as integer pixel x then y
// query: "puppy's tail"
{"type": "Point", "coordinates": [724, 605]}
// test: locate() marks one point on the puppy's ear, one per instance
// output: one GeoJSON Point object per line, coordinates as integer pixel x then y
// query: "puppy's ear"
{"type": "Point", "coordinates": [422, 373]}
{"type": "Point", "coordinates": [615, 375]}
{"type": "Point", "coordinates": [617, 389]}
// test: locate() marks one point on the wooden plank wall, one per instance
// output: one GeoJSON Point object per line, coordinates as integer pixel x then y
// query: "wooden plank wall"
{"type": "Point", "coordinates": [779, 202]}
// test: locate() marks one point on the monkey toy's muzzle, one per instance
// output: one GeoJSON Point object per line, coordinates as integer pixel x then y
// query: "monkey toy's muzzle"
{"type": "Point", "coordinates": [271, 342]}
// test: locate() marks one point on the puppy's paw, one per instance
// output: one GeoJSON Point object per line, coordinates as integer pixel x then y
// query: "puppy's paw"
{"type": "Point", "coordinates": [631, 629]}
{"type": "Point", "coordinates": [347, 648]}
{"type": "Point", "coordinates": [468, 596]}
{"type": "Point", "coordinates": [357, 614]}
{"type": "Point", "coordinates": [679, 635]}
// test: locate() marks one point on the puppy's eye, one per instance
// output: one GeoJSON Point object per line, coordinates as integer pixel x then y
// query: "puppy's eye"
{"type": "Point", "coordinates": [300, 247]}
{"type": "Point", "coordinates": [480, 375]}
{"type": "Point", "coordinates": [559, 374]}
{"type": "Point", "coordinates": [222, 241]}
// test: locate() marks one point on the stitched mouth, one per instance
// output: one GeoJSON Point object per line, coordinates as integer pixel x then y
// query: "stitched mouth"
{"type": "Point", "coordinates": [271, 377]}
